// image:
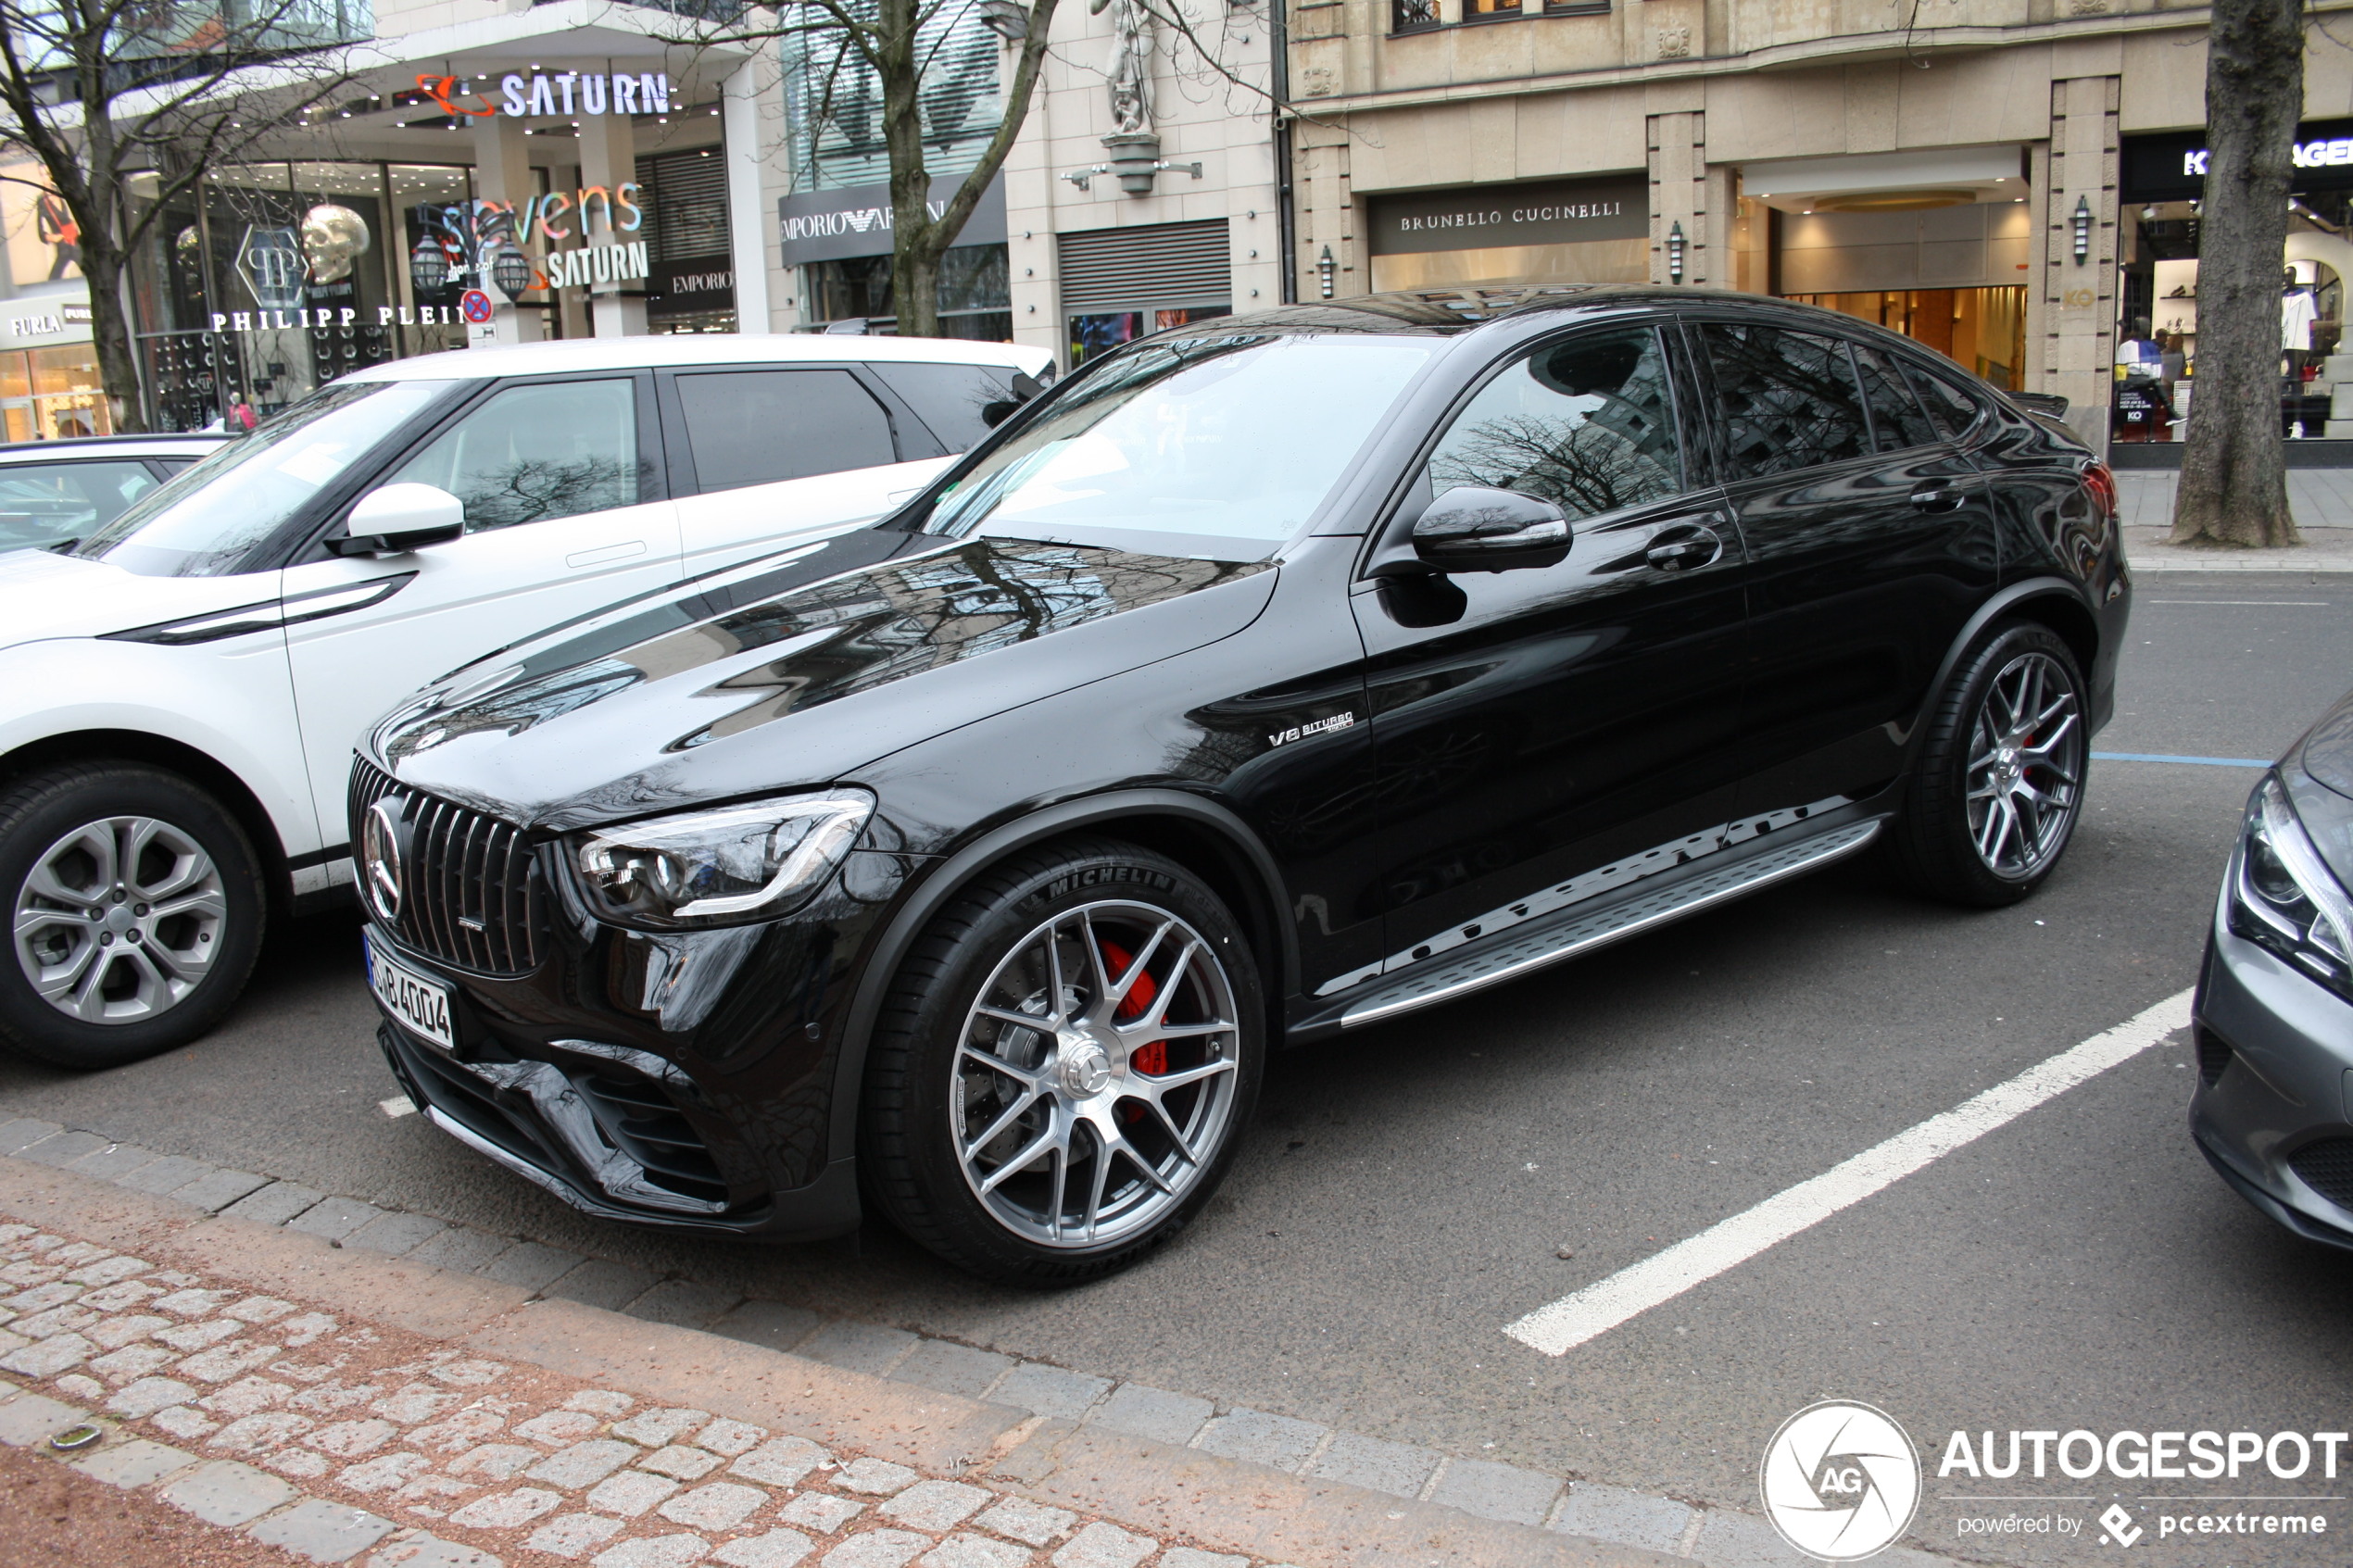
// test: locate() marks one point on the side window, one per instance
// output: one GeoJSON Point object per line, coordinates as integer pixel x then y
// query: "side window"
{"type": "Point", "coordinates": [1896, 415]}
{"type": "Point", "coordinates": [46, 504]}
{"type": "Point", "coordinates": [1786, 400]}
{"type": "Point", "coordinates": [535, 453]}
{"type": "Point", "coordinates": [1951, 410]}
{"type": "Point", "coordinates": [1588, 424]}
{"type": "Point", "coordinates": [757, 427]}
{"type": "Point", "coordinates": [950, 397]}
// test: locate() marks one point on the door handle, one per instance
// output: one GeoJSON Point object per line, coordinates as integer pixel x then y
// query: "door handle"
{"type": "Point", "coordinates": [1686, 550]}
{"type": "Point", "coordinates": [1939, 497]}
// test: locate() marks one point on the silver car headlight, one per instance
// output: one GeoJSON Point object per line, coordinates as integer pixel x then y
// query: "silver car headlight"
{"type": "Point", "coordinates": [2284, 895]}
{"type": "Point", "coordinates": [724, 867]}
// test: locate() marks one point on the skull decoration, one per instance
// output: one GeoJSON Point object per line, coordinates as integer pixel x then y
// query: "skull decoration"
{"type": "Point", "coordinates": [333, 238]}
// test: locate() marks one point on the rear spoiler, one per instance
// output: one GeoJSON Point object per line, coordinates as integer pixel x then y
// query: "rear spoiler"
{"type": "Point", "coordinates": [2051, 403]}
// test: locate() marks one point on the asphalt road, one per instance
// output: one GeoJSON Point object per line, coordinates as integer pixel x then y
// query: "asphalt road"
{"type": "Point", "coordinates": [1407, 1190]}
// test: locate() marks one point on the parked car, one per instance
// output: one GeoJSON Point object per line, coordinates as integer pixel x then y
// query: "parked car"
{"type": "Point", "coordinates": [1273, 677]}
{"type": "Point", "coordinates": [53, 493]}
{"type": "Point", "coordinates": [2274, 1019]}
{"type": "Point", "coordinates": [180, 688]}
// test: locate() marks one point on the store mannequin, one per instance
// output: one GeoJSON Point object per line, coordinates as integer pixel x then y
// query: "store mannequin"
{"type": "Point", "coordinates": [2297, 313]}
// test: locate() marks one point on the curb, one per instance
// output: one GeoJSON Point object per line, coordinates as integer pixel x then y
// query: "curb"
{"type": "Point", "coordinates": [1167, 1491]}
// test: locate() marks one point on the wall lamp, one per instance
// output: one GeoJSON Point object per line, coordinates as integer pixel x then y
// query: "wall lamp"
{"type": "Point", "coordinates": [2083, 222]}
{"type": "Point", "coordinates": [1675, 244]}
{"type": "Point", "coordinates": [1327, 270]}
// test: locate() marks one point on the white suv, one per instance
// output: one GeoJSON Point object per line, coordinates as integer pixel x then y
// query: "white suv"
{"type": "Point", "coordinates": [180, 688]}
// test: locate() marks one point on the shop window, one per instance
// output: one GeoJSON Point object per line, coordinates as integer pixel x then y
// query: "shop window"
{"type": "Point", "coordinates": [533, 454]}
{"type": "Point", "coordinates": [975, 294]}
{"type": "Point", "coordinates": [46, 505]}
{"type": "Point", "coordinates": [1787, 400]}
{"type": "Point", "coordinates": [1099, 332]}
{"type": "Point", "coordinates": [758, 427]}
{"type": "Point", "coordinates": [952, 399]}
{"type": "Point", "coordinates": [1897, 418]}
{"type": "Point", "coordinates": [1588, 424]}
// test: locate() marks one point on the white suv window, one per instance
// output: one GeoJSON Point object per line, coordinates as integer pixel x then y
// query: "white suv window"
{"type": "Point", "coordinates": [537, 452]}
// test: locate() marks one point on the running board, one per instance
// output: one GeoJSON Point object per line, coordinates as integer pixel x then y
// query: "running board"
{"type": "Point", "coordinates": [1583, 930]}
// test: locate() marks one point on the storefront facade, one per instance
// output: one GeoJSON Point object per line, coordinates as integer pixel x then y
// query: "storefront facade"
{"type": "Point", "coordinates": [49, 387]}
{"type": "Point", "coordinates": [565, 173]}
{"type": "Point", "coordinates": [1973, 188]}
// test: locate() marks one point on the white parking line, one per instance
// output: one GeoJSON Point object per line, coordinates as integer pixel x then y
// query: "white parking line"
{"type": "Point", "coordinates": [1601, 1306]}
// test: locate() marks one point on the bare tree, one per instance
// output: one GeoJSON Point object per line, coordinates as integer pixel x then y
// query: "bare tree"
{"type": "Point", "coordinates": [892, 46]}
{"type": "Point", "coordinates": [2234, 484]}
{"type": "Point", "coordinates": [95, 91]}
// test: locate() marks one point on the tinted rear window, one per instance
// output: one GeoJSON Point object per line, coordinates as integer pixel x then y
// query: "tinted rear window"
{"type": "Point", "coordinates": [758, 427]}
{"type": "Point", "coordinates": [950, 398]}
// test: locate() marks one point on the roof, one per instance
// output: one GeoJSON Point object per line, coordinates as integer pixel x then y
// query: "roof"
{"type": "Point", "coordinates": [167, 445]}
{"type": "Point", "coordinates": [698, 348]}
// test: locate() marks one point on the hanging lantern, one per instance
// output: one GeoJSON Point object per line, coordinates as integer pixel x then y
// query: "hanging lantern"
{"type": "Point", "coordinates": [429, 266]}
{"type": "Point", "coordinates": [510, 269]}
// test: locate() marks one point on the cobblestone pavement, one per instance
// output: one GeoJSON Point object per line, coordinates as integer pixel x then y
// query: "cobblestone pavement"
{"type": "Point", "coordinates": [341, 1441]}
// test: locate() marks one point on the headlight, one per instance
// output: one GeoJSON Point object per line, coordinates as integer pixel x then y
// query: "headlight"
{"type": "Point", "coordinates": [2283, 897]}
{"type": "Point", "coordinates": [725, 867]}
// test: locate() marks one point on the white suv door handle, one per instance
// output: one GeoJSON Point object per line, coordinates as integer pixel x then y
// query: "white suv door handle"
{"type": "Point", "coordinates": [604, 553]}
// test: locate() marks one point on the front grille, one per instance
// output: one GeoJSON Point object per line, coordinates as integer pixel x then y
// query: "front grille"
{"type": "Point", "coordinates": [641, 1121]}
{"type": "Point", "coordinates": [469, 895]}
{"type": "Point", "coordinates": [2327, 1168]}
{"type": "Point", "coordinates": [2214, 1055]}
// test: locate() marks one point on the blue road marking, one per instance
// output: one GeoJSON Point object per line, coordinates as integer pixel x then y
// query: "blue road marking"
{"type": "Point", "coordinates": [2201, 761]}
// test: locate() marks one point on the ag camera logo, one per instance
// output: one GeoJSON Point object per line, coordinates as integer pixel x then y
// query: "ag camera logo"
{"type": "Point", "coordinates": [1840, 1481]}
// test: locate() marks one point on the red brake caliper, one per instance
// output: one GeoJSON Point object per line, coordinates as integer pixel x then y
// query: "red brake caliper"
{"type": "Point", "coordinates": [1151, 1059]}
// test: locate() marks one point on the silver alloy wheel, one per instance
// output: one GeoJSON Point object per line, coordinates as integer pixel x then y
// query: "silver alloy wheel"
{"type": "Point", "coordinates": [119, 920]}
{"type": "Point", "coordinates": [1094, 1075]}
{"type": "Point", "coordinates": [2025, 766]}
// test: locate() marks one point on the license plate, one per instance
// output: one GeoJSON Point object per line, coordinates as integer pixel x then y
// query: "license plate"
{"type": "Point", "coordinates": [417, 1004]}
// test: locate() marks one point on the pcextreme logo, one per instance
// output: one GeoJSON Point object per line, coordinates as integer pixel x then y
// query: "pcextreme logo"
{"type": "Point", "coordinates": [1840, 1481]}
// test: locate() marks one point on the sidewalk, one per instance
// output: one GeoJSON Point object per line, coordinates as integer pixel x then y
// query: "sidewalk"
{"type": "Point", "coordinates": [2320, 500]}
{"type": "Point", "coordinates": [351, 1407]}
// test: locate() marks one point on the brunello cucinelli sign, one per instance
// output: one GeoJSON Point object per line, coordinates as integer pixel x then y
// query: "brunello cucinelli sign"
{"type": "Point", "coordinates": [1555, 212]}
{"type": "Point", "coordinates": [855, 219]}
{"type": "Point", "coordinates": [2171, 166]}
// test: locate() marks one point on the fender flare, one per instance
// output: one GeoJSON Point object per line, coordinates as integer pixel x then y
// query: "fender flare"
{"type": "Point", "coordinates": [958, 870]}
{"type": "Point", "coordinates": [1992, 610]}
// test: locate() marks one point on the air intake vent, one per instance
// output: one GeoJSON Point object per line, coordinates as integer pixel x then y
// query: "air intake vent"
{"type": "Point", "coordinates": [469, 895]}
{"type": "Point", "coordinates": [641, 1121]}
{"type": "Point", "coordinates": [2327, 1168]}
{"type": "Point", "coordinates": [2213, 1055]}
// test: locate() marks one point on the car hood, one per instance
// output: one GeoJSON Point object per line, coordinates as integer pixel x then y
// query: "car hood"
{"type": "Point", "coordinates": [799, 671]}
{"type": "Point", "coordinates": [45, 595]}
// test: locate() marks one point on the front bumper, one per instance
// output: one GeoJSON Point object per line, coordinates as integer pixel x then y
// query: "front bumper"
{"type": "Point", "coordinates": [615, 1130]}
{"type": "Point", "coordinates": [2275, 1065]}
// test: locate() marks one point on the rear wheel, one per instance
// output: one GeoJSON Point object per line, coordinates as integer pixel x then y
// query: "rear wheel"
{"type": "Point", "coordinates": [2000, 782]}
{"type": "Point", "coordinates": [135, 912]}
{"type": "Point", "coordinates": [1062, 1073]}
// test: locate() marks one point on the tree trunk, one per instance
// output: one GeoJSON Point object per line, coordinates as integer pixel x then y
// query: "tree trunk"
{"type": "Point", "coordinates": [110, 335]}
{"type": "Point", "coordinates": [914, 258]}
{"type": "Point", "coordinates": [2234, 485]}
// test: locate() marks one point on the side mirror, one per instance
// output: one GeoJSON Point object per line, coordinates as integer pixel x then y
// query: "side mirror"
{"type": "Point", "coordinates": [1475, 528]}
{"type": "Point", "coordinates": [395, 518]}
{"type": "Point", "coordinates": [1025, 387]}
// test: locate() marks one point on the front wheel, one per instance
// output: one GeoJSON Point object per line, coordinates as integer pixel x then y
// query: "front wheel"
{"type": "Point", "coordinates": [1062, 1073]}
{"type": "Point", "coordinates": [135, 907]}
{"type": "Point", "coordinates": [1999, 785]}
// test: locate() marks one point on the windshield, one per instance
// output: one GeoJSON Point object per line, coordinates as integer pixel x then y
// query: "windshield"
{"type": "Point", "coordinates": [1215, 447]}
{"type": "Point", "coordinates": [207, 521]}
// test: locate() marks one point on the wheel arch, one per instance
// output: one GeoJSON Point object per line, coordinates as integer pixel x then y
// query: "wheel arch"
{"type": "Point", "coordinates": [1198, 832]}
{"type": "Point", "coordinates": [2052, 602]}
{"type": "Point", "coordinates": [160, 751]}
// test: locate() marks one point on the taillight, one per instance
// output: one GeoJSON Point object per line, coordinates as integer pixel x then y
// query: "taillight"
{"type": "Point", "coordinates": [2101, 483]}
